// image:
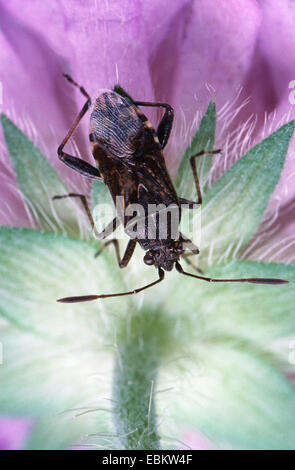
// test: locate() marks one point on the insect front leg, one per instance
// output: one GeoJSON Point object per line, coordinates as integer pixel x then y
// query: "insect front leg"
{"type": "Point", "coordinates": [165, 126]}
{"type": "Point", "coordinates": [194, 250]}
{"type": "Point", "coordinates": [186, 257]}
{"type": "Point", "coordinates": [75, 163]}
{"type": "Point", "coordinates": [188, 244]}
{"type": "Point", "coordinates": [127, 255]}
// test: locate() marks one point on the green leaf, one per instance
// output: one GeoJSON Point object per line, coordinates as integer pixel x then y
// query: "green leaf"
{"type": "Point", "coordinates": [39, 182]}
{"type": "Point", "coordinates": [261, 313]}
{"type": "Point", "coordinates": [102, 207]}
{"type": "Point", "coordinates": [227, 379]}
{"type": "Point", "coordinates": [36, 268]}
{"type": "Point", "coordinates": [100, 194]}
{"type": "Point", "coordinates": [81, 429]}
{"type": "Point", "coordinates": [233, 394]}
{"type": "Point", "coordinates": [61, 386]}
{"type": "Point", "coordinates": [40, 377]}
{"type": "Point", "coordinates": [52, 352]}
{"type": "Point", "coordinates": [203, 140]}
{"type": "Point", "coordinates": [234, 206]}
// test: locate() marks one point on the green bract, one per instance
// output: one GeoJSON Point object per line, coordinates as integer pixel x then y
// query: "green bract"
{"type": "Point", "coordinates": [203, 140]}
{"type": "Point", "coordinates": [133, 372]}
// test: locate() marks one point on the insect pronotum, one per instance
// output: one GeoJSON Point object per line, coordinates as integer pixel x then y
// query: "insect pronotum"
{"type": "Point", "coordinates": [128, 153]}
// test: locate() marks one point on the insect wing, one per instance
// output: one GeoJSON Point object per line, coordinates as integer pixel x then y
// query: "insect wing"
{"type": "Point", "coordinates": [116, 125]}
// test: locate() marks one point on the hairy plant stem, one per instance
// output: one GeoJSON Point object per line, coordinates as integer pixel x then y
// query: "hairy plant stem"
{"type": "Point", "coordinates": [134, 377]}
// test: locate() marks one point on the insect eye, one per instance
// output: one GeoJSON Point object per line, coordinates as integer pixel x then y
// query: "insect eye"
{"type": "Point", "coordinates": [178, 248]}
{"type": "Point", "coordinates": [149, 259]}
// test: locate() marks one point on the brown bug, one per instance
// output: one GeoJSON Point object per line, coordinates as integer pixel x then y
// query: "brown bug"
{"type": "Point", "coordinates": [129, 157]}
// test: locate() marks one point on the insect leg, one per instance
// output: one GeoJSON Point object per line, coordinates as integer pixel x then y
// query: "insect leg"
{"type": "Point", "coordinates": [85, 298]}
{"type": "Point", "coordinates": [165, 125]}
{"type": "Point", "coordinates": [186, 256]}
{"type": "Point", "coordinates": [188, 244]}
{"type": "Point", "coordinates": [194, 251]}
{"type": "Point", "coordinates": [110, 228]}
{"type": "Point", "coordinates": [187, 202]}
{"type": "Point", "coordinates": [252, 280]}
{"type": "Point", "coordinates": [192, 204]}
{"type": "Point", "coordinates": [194, 169]}
{"type": "Point", "coordinates": [84, 202]}
{"type": "Point", "coordinates": [75, 163]}
{"type": "Point", "coordinates": [127, 255]}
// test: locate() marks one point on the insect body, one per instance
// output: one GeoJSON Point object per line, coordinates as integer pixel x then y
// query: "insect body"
{"type": "Point", "coordinates": [129, 155]}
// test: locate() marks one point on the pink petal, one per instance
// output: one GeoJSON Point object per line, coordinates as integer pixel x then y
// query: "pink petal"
{"type": "Point", "coordinates": [218, 42]}
{"type": "Point", "coordinates": [34, 96]}
{"type": "Point", "coordinates": [98, 44]}
{"type": "Point", "coordinates": [13, 432]}
{"type": "Point", "coordinates": [276, 45]}
{"type": "Point", "coordinates": [277, 41]}
{"type": "Point", "coordinates": [196, 441]}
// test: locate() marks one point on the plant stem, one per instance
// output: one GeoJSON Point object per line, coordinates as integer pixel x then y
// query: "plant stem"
{"type": "Point", "coordinates": [135, 369]}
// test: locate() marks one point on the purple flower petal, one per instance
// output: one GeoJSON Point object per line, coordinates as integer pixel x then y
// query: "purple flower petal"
{"type": "Point", "coordinates": [277, 42]}
{"type": "Point", "coordinates": [270, 78]}
{"type": "Point", "coordinates": [34, 92]}
{"type": "Point", "coordinates": [194, 440]}
{"type": "Point", "coordinates": [34, 96]}
{"type": "Point", "coordinates": [96, 45]}
{"type": "Point", "coordinates": [13, 432]}
{"type": "Point", "coordinates": [218, 41]}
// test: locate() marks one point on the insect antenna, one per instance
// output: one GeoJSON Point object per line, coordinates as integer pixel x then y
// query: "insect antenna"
{"type": "Point", "coordinates": [86, 298]}
{"type": "Point", "coordinates": [251, 280]}
{"type": "Point", "coordinates": [82, 89]}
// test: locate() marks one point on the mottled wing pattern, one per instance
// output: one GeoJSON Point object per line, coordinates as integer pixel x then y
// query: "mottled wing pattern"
{"type": "Point", "coordinates": [119, 126]}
